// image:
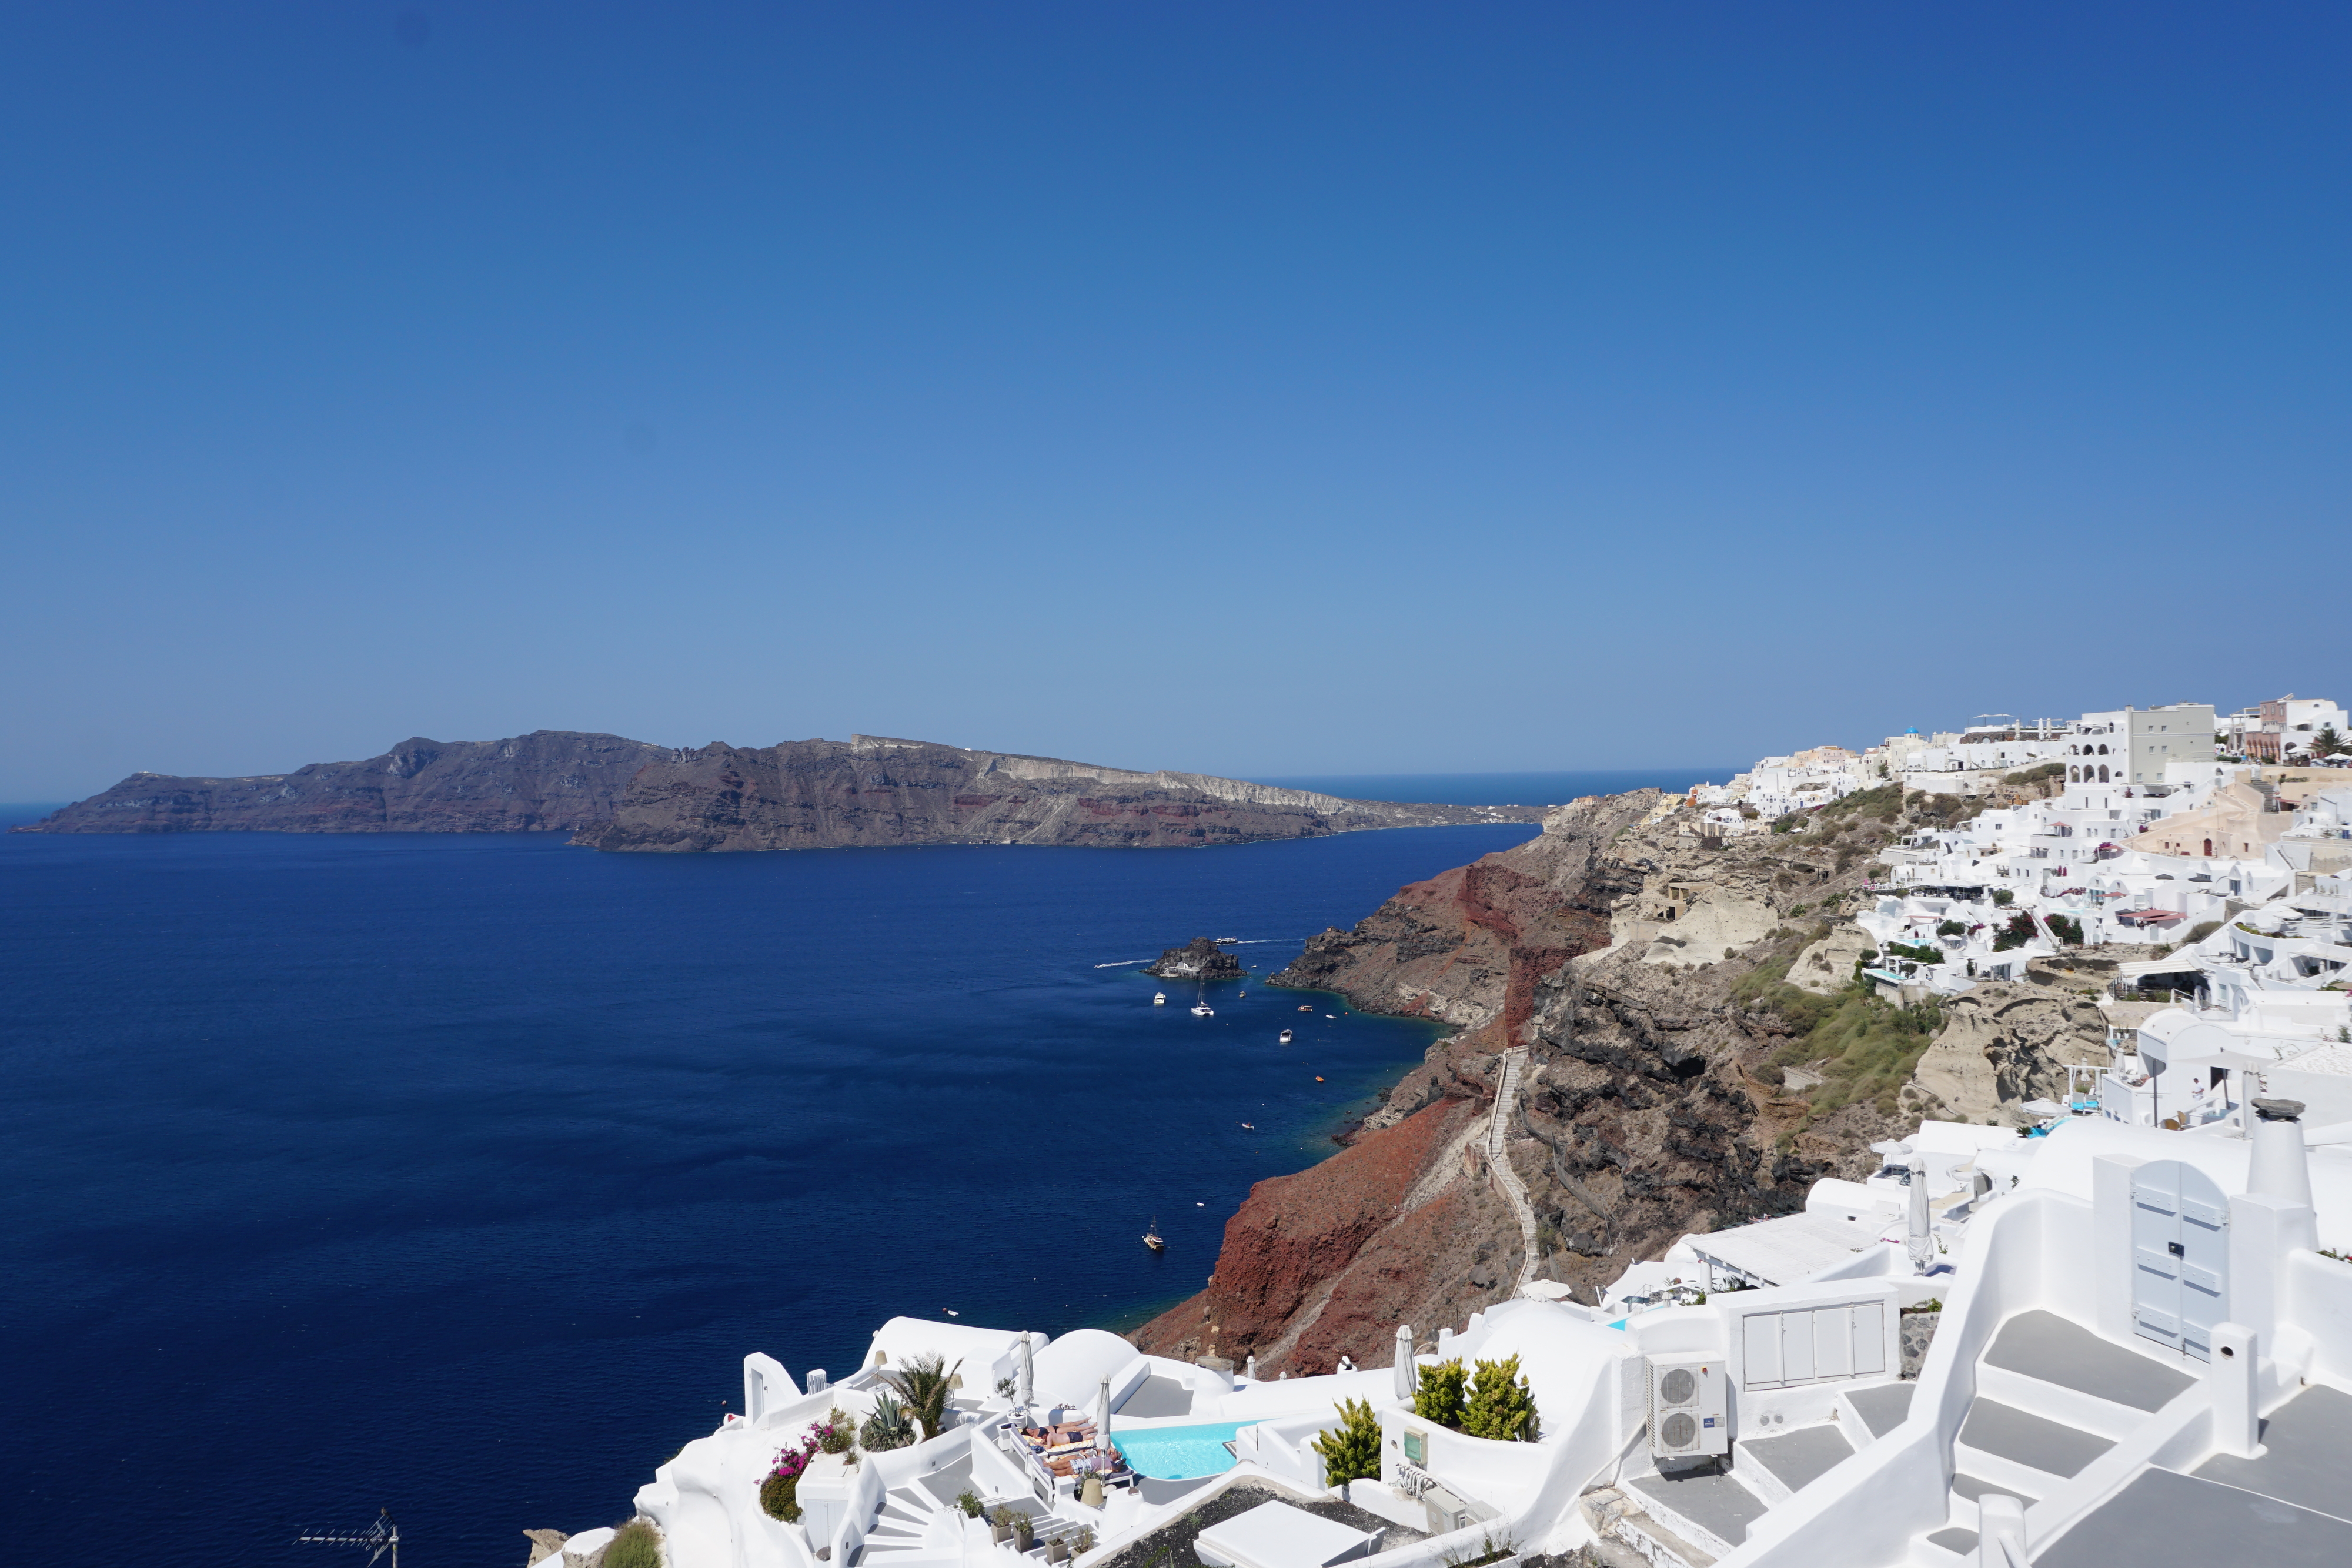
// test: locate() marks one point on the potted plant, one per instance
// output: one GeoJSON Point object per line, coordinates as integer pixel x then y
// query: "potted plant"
{"type": "Point", "coordinates": [999, 1525]}
{"type": "Point", "coordinates": [1024, 1531]}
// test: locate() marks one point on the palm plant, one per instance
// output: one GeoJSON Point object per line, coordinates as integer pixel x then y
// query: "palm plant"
{"type": "Point", "coordinates": [924, 1385]}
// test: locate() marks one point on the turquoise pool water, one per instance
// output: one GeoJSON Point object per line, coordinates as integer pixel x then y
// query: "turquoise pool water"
{"type": "Point", "coordinates": [1180, 1453]}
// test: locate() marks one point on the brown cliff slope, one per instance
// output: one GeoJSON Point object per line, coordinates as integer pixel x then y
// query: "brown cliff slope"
{"type": "Point", "coordinates": [1469, 945]}
{"type": "Point", "coordinates": [1654, 1099]}
{"type": "Point", "coordinates": [825, 794]}
{"type": "Point", "coordinates": [551, 779]}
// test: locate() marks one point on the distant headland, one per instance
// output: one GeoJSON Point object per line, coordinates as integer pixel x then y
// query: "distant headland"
{"type": "Point", "coordinates": [613, 793]}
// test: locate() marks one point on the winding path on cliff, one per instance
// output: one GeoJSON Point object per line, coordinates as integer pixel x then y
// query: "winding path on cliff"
{"type": "Point", "coordinates": [1498, 1160]}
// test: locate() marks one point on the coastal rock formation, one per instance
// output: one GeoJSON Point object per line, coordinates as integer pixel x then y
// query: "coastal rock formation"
{"type": "Point", "coordinates": [1198, 959]}
{"type": "Point", "coordinates": [1826, 967]}
{"type": "Point", "coordinates": [825, 794]}
{"type": "Point", "coordinates": [618, 794]}
{"type": "Point", "coordinates": [1468, 946]}
{"type": "Point", "coordinates": [548, 781]}
{"type": "Point", "coordinates": [1652, 1101]}
{"type": "Point", "coordinates": [2005, 1042]}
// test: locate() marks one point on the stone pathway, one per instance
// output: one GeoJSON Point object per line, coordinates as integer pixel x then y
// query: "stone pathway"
{"type": "Point", "coordinates": [1498, 1160]}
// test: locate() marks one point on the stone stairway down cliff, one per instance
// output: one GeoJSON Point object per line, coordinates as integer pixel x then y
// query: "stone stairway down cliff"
{"type": "Point", "coordinates": [1498, 1158]}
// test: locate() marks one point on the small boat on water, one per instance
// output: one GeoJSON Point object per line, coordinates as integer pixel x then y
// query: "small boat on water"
{"type": "Point", "coordinates": [1249, 1126]}
{"type": "Point", "coordinates": [1306, 1006]}
{"type": "Point", "coordinates": [1151, 1238]}
{"type": "Point", "coordinates": [1200, 1009]}
{"type": "Point", "coordinates": [1160, 998]}
{"type": "Point", "coordinates": [1286, 1037]}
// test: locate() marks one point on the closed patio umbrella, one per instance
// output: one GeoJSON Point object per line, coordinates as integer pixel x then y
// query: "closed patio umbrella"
{"type": "Point", "coordinates": [1405, 1377]}
{"type": "Point", "coordinates": [1102, 1416]}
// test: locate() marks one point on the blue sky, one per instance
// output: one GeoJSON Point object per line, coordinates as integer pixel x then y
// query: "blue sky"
{"type": "Point", "coordinates": [1253, 389]}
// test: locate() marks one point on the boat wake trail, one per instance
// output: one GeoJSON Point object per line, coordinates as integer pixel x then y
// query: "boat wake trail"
{"type": "Point", "coordinates": [1123, 962]}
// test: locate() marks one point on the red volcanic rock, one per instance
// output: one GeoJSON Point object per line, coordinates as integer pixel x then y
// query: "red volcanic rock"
{"type": "Point", "coordinates": [1323, 1261]}
{"type": "Point", "coordinates": [1471, 945]}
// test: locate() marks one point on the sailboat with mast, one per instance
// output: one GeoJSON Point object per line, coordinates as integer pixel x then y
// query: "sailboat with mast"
{"type": "Point", "coordinates": [1200, 1009]}
{"type": "Point", "coordinates": [1153, 1238]}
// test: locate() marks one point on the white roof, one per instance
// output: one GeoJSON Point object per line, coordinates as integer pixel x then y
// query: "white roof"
{"type": "Point", "coordinates": [2179, 964]}
{"type": "Point", "coordinates": [1277, 1535]}
{"type": "Point", "coordinates": [1785, 1250]}
{"type": "Point", "coordinates": [2333, 1059]}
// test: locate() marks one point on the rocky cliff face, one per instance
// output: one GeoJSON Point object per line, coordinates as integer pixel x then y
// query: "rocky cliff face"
{"type": "Point", "coordinates": [549, 779]}
{"type": "Point", "coordinates": [825, 794]}
{"type": "Point", "coordinates": [2005, 1042]}
{"type": "Point", "coordinates": [1644, 968]}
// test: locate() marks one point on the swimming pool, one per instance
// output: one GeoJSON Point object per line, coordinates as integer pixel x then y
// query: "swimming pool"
{"type": "Point", "coordinates": [1180, 1453]}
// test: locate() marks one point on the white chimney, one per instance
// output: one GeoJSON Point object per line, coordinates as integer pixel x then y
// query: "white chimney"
{"type": "Point", "coordinates": [2279, 1166]}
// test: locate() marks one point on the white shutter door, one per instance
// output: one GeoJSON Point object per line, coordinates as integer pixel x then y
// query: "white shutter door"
{"type": "Point", "coordinates": [1796, 1347]}
{"type": "Point", "coordinates": [1762, 1341]}
{"type": "Point", "coordinates": [1834, 1342]}
{"type": "Point", "coordinates": [1869, 1338]}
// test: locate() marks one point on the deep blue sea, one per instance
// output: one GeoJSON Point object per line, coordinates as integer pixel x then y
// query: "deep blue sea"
{"type": "Point", "coordinates": [457, 1174]}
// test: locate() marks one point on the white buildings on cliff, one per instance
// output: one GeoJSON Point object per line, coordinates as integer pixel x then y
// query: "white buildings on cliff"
{"type": "Point", "coordinates": [2122, 1336]}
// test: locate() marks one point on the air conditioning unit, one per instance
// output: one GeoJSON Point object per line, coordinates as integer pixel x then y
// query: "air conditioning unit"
{"type": "Point", "coordinates": [1688, 1413]}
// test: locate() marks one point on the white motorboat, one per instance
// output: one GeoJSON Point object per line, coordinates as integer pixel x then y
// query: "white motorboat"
{"type": "Point", "coordinates": [1286, 1037]}
{"type": "Point", "coordinates": [1160, 998]}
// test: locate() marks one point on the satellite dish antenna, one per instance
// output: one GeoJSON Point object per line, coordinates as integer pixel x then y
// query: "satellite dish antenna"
{"type": "Point", "coordinates": [379, 1538]}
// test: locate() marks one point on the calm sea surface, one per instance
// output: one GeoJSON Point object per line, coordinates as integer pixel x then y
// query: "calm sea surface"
{"type": "Point", "coordinates": [458, 1174]}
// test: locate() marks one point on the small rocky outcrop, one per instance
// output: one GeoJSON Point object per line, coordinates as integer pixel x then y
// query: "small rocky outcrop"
{"type": "Point", "coordinates": [2003, 1044]}
{"type": "Point", "coordinates": [1198, 959]}
{"type": "Point", "coordinates": [1826, 967]}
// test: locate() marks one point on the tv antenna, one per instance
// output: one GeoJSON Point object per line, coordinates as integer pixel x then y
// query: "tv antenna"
{"type": "Point", "coordinates": [379, 1538]}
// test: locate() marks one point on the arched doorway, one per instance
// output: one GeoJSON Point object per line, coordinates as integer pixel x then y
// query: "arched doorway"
{"type": "Point", "coordinates": [2209, 849]}
{"type": "Point", "coordinates": [2181, 1257]}
{"type": "Point", "coordinates": [2103, 774]}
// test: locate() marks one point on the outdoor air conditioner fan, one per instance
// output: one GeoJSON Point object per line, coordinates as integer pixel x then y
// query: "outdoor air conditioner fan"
{"type": "Point", "coordinates": [1688, 1415]}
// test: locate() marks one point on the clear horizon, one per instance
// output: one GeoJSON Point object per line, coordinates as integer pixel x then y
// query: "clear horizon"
{"type": "Point", "coordinates": [1247, 390]}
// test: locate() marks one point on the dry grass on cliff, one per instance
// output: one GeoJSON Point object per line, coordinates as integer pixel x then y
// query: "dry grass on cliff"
{"type": "Point", "coordinates": [1867, 1049]}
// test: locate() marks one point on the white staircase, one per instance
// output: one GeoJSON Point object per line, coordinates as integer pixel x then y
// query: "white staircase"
{"type": "Point", "coordinates": [914, 1528]}
{"type": "Point", "coordinates": [2051, 1397]}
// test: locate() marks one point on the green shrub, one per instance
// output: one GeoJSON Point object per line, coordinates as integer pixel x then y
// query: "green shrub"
{"type": "Point", "coordinates": [780, 1498]}
{"type": "Point", "coordinates": [636, 1546]}
{"type": "Point", "coordinates": [2003, 897]}
{"type": "Point", "coordinates": [1789, 823]}
{"type": "Point", "coordinates": [2035, 775]}
{"type": "Point", "coordinates": [1352, 1450]}
{"type": "Point", "coordinates": [1437, 1393]}
{"type": "Point", "coordinates": [1501, 1406]}
{"type": "Point", "coordinates": [2067, 930]}
{"type": "Point", "coordinates": [969, 1501]}
{"type": "Point", "coordinates": [1952, 928]}
{"type": "Point", "coordinates": [1918, 952]}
